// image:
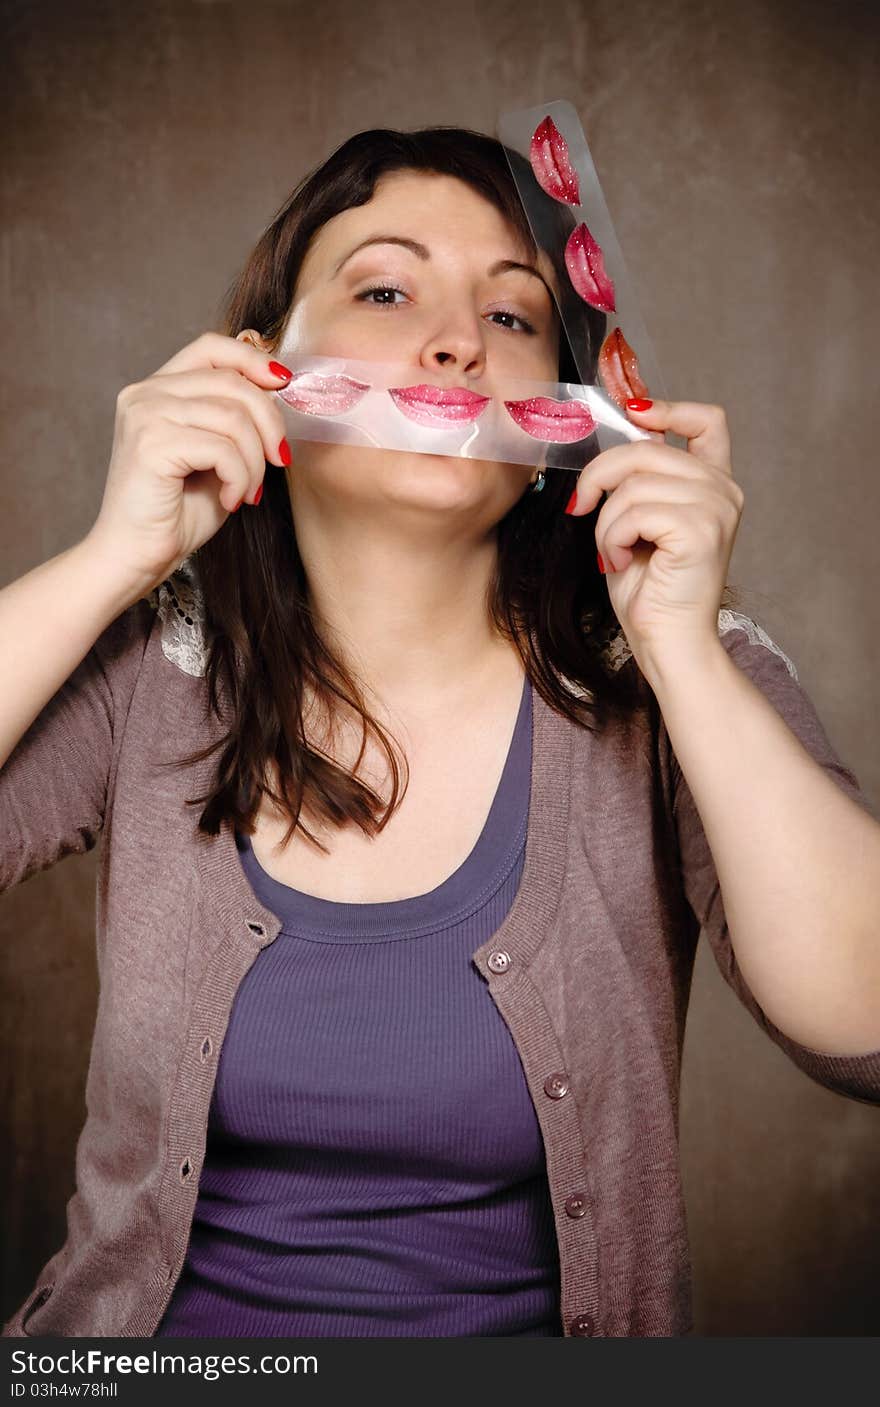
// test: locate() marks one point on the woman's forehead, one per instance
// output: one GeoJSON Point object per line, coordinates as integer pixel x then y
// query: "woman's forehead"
{"type": "Point", "coordinates": [435, 210]}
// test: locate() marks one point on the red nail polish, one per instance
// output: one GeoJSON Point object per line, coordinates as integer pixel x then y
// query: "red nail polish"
{"type": "Point", "coordinates": [258, 495]}
{"type": "Point", "coordinates": [639, 404]}
{"type": "Point", "coordinates": [284, 453]}
{"type": "Point", "coordinates": [569, 507]}
{"type": "Point", "coordinates": [278, 370]}
{"type": "Point", "coordinates": [601, 563]}
{"type": "Point", "coordinates": [237, 506]}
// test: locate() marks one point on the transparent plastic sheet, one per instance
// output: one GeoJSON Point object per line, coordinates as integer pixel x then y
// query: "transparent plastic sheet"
{"type": "Point", "coordinates": [387, 406]}
{"type": "Point", "coordinates": [561, 424]}
{"type": "Point", "coordinates": [560, 192]}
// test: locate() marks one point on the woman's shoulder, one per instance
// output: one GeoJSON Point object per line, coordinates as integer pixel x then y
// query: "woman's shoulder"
{"type": "Point", "coordinates": [179, 605]}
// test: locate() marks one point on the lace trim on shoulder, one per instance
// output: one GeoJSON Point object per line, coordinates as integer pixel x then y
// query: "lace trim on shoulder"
{"type": "Point", "coordinates": [732, 620]}
{"type": "Point", "coordinates": [181, 607]}
{"type": "Point", "coordinates": [618, 651]}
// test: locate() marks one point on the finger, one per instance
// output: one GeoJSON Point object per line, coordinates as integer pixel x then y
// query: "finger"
{"type": "Point", "coordinates": [199, 450]}
{"type": "Point", "coordinates": [703, 426]}
{"type": "Point", "coordinates": [609, 469]}
{"type": "Point", "coordinates": [215, 349]}
{"type": "Point", "coordinates": [223, 417]}
{"type": "Point", "coordinates": [717, 494]}
{"type": "Point", "coordinates": [642, 487]}
{"type": "Point", "coordinates": [263, 410]}
{"type": "Point", "coordinates": [682, 528]}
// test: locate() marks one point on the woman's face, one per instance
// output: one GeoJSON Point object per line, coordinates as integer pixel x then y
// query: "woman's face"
{"type": "Point", "coordinates": [453, 309]}
{"type": "Point", "coordinates": [422, 275]}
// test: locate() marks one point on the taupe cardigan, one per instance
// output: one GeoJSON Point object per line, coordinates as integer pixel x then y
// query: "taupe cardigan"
{"type": "Point", "coordinates": [591, 970]}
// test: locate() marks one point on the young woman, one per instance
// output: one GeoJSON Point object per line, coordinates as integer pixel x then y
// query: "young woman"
{"type": "Point", "coordinates": [390, 1024]}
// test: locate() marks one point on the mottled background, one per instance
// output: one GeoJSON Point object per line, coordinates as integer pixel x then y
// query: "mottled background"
{"type": "Point", "coordinates": [145, 147]}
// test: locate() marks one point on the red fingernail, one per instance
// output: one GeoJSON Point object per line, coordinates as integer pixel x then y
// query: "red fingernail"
{"type": "Point", "coordinates": [278, 370]}
{"type": "Point", "coordinates": [601, 563]}
{"type": "Point", "coordinates": [569, 507]}
{"type": "Point", "coordinates": [639, 404]}
{"type": "Point", "coordinates": [258, 495]}
{"type": "Point", "coordinates": [284, 453]}
{"type": "Point", "coordinates": [237, 506]}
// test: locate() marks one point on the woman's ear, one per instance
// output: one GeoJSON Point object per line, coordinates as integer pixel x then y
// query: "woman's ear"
{"type": "Point", "coordinates": [248, 334]}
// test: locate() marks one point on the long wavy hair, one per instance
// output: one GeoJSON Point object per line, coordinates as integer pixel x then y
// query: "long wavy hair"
{"type": "Point", "coordinates": [546, 594]}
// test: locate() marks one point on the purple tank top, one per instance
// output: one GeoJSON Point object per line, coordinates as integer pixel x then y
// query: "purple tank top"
{"type": "Point", "coordinates": [374, 1164]}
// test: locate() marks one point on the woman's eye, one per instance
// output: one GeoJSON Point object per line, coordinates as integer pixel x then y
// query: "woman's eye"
{"type": "Point", "coordinates": [380, 288]}
{"type": "Point", "coordinates": [527, 326]}
{"type": "Point", "coordinates": [387, 302]}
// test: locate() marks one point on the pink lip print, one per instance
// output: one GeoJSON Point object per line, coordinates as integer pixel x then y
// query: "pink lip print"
{"type": "Point", "coordinates": [551, 163]}
{"type": "Point", "coordinates": [313, 393]}
{"type": "Point", "coordinates": [557, 422]}
{"type": "Point", "coordinates": [586, 268]}
{"type": "Point", "coordinates": [430, 405]}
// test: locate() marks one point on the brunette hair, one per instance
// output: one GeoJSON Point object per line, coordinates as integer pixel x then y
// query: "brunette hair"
{"type": "Point", "coordinates": [546, 596]}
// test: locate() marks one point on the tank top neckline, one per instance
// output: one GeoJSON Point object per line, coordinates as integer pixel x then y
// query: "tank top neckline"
{"type": "Point", "coordinates": [467, 889]}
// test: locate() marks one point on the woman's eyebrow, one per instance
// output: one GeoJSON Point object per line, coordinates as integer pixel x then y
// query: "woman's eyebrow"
{"type": "Point", "coordinates": [421, 251]}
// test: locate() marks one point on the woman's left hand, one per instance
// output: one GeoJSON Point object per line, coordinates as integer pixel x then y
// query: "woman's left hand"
{"type": "Point", "coordinates": [667, 529]}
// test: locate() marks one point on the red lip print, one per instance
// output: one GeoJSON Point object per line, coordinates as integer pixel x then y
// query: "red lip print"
{"type": "Point", "coordinates": [313, 393]}
{"type": "Point", "coordinates": [557, 422]}
{"type": "Point", "coordinates": [586, 268]}
{"type": "Point", "coordinates": [551, 163]}
{"type": "Point", "coordinates": [618, 369]}
{"type": "Point", "coordinates": [429, 404]}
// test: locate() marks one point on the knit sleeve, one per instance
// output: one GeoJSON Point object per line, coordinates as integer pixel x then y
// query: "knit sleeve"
{"type": "Point", "coordinates": [856, 1076]}
{"type": "Point", "coordinates": [53, 786]}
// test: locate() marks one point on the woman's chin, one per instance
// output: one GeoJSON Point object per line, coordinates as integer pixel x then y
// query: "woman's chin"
{"type": "Point", "coordinates": [401, 477]}
{"type": "Point", "coordinates": [442, 481]}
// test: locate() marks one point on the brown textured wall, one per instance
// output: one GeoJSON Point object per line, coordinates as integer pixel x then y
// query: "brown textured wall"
{"type": "Point", "coordinates": [147, 144]}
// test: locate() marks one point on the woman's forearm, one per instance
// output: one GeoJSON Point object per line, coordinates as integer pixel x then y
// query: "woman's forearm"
{"type": "Point", "coordinates": [49, 620]}
{"type": "Point", "coordinates": [798, 861]}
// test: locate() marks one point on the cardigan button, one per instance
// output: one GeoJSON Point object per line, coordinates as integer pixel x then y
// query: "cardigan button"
{"type": "Point", "coordinates": [556, 1085]}
{"type": "Point", "coordinates": [582, 1326]}
{"type": "Point", "coordinates": [498, 961]}
{"type": "Point", "coordinates": [576, 1204]}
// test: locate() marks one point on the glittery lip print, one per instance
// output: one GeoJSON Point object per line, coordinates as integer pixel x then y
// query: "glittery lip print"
{"type": "Point", "coordinates": [551, 163]}
{"type": "Point", "coordinates": [556, 422]}
{"type": "Point", "coordinates": [433, 405]}
{"type": "Point", "coordinates": [618, 369]}
{"type": "Point", "coordinates": [313, 393]}
{"type": "Point", "coordinates": [586, 268]}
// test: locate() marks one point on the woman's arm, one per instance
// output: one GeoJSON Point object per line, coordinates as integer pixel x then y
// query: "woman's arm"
{"type": "Point", "coordinates": [49, 620]}
{"type": "Point", "coordinates": [798, 861]}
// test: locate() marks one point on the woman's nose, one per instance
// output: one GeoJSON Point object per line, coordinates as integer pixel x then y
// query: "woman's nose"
{"type": "Point", "coordinates": [462, 347]}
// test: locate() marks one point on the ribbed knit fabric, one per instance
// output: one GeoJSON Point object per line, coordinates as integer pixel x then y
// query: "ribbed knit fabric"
{"type": "Point", "coordinates": [374, 1163]}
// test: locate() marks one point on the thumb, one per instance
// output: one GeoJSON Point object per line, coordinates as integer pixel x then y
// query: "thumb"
{"type": "Point", "coordinates": [640, 410]}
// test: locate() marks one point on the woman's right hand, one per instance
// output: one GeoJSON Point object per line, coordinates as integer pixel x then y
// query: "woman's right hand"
{"type": "Point", "coordinates": [205, 409]}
